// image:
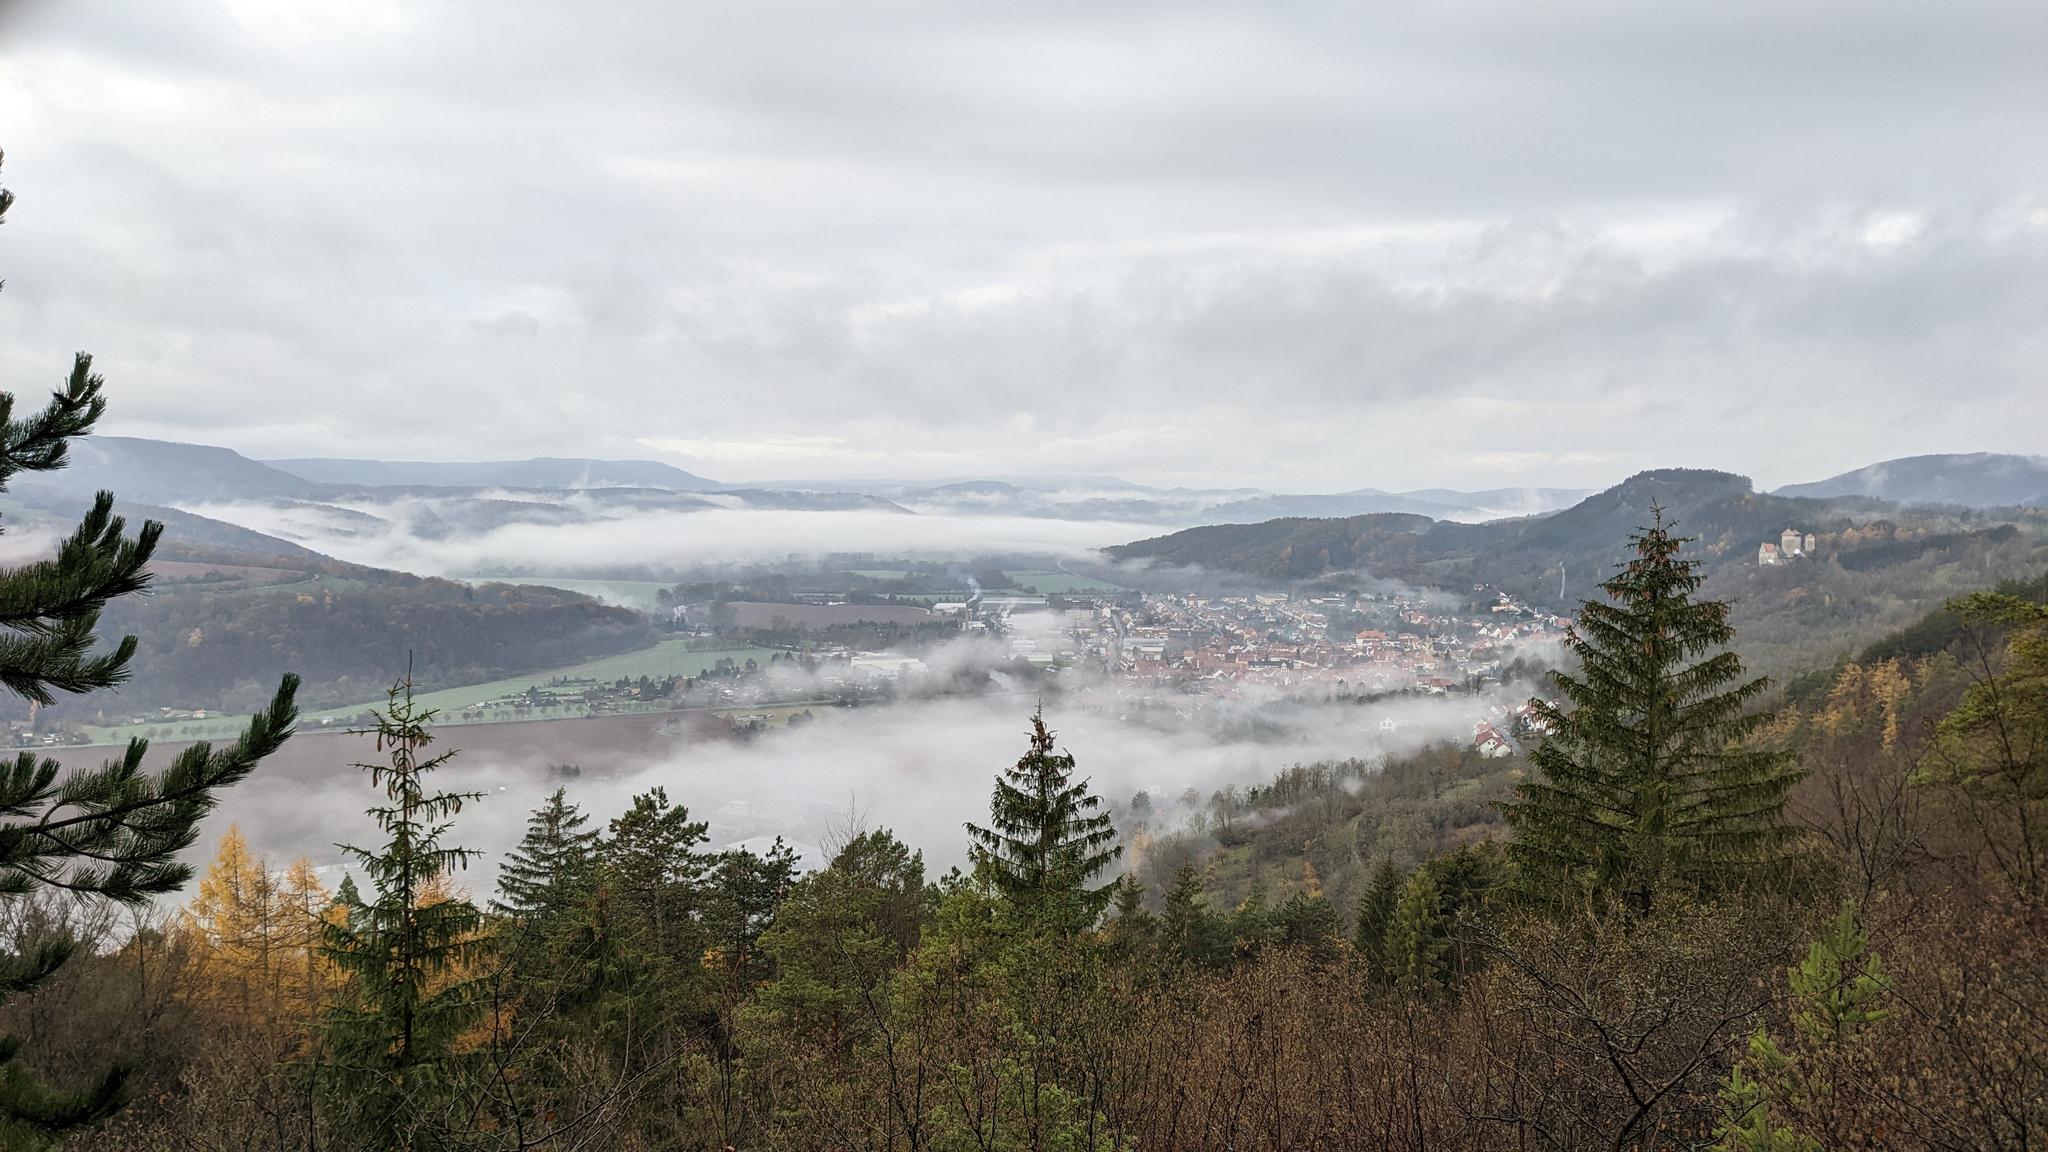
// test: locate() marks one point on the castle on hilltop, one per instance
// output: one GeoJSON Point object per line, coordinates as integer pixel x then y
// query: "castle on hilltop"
{"type": "Point", "coordinates": [1790, 545]}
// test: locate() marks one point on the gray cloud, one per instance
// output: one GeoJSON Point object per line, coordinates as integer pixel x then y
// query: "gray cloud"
{"type": "Point", "coordinates": [1305, 246]}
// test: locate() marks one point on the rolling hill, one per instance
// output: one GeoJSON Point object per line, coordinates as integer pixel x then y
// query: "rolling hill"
{"type": "Point", "coordinates": [1878, 565]}
{"type": "Point", "coordinates": [1973, 480]}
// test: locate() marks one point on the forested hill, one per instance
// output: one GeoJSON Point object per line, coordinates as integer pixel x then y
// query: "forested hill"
{"type": "Point", "coordinates": [1879, 566]}
{"type": "Point", "coordinates": [1723, 512]}
{"type": "Point", "coordinates": [217, 636]}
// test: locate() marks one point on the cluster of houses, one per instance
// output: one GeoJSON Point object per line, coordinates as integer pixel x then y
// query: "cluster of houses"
{"type": "Point", "coordinates": [1790, 545]}
{"type": "Point", "coordinates": [1273, 639]}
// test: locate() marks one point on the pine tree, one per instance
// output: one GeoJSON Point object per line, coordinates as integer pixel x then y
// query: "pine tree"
{"type": "Point", "coordinates": [1647, 781]}
{"type": "Point", "coordinates": [740, 900]}
{"type": "Point", "coordinates": [650, 858]}
{"type": "Point", "coordinates": [347, 898]}
{"type": "Point", "coordinates": [1836, 996]}
{"type": "Point", "coordinates": [548, 870]}
{"type": "Point", "coordinates": [1306, 919]}
{"type": "Point", "coordinates": [108, 833]}
{"type": "Point", "coordinates": [408, 998]}
{"type": "Point", "coordinates": [1046, 839]}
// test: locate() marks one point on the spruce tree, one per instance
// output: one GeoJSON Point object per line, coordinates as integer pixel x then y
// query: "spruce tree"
{"type": "Point", "coordinates": [1047, 840]}
{"type": "Point", "coordinates": [112, 832]}
{"type": "Point", "coordinates": [1188, 926]}
{"type": "Point", "coordinates": [1648, 779]}
{"type": "Point", "coordinates": [1375, 914]}
{"type": "Point", "coordinates": [544, 875]}
{"type": "Point", "coordinates": [405, 952]}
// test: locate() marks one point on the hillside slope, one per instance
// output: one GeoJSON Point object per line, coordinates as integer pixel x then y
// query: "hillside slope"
{"type": "Point", "coordinates": [1878, 566]}
{"type": "Point", "coordinates": [1973, 480]}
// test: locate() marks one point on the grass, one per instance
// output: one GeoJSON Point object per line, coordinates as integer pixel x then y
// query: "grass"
{"type": "Point", "coordinates": [1057, 583]}
{"type": "Point", "coordinates": [626, 593]}
{"type": "Point", "coordinates": [681, 656]}
{"type": "Point", "coordinates": [1044, 580]}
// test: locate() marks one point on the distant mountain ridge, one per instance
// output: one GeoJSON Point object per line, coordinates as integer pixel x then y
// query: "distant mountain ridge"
{"type": "Point", "coordinates": [165, 472]}
{"type": "Point", "coordinates": [1971, 479]}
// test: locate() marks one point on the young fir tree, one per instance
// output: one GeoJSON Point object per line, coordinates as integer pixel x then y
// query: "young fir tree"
{"type": "Point", "coordinates": [550, 868]}
{"type": "Point", "coordinates": [1046, 840]}
{"type": "Point", "coordinates": [108, 833]}
{"type": "Point", "coordinates": [1648, 780]}
{"type": "Point", "coordinates": [404, 953]}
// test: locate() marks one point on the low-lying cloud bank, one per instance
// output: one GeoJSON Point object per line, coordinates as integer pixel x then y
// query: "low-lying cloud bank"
{"type": "Point", "coordinates": [920, 768]}
{"type": "Point", "coordinates": [597, 541]}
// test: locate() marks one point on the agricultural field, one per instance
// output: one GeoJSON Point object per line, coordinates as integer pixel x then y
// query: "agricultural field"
{"type": "Point", "coordinates": [638, 594]}
{"type": "Point", "coordinates": [221, 577]}
{"type": "Point", "coordinates": [1061, 583]}
{"type": "Point", "coordinates": [750, 614]}
{"type": "Point", "coordinates": [1044, 580]}
{"type": "Point", "coordinates": [677, 657]}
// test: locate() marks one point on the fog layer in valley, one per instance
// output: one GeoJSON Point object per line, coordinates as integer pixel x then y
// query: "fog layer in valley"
{"type": "Point", "coordinates": [920, 768]}
{"type": "Point", "coordinates": [592, 540]}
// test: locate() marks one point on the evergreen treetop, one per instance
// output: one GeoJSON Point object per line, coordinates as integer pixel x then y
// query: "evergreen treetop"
{"type": "Point", "coordinates": [1046, 838]}
{"type": "Point", "coordinates": [1650, 777]}
{"type": "Point", "coordinates": [551, 863]}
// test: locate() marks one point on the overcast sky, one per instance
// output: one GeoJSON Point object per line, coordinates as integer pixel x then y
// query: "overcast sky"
{"type": "Point", "coordinates": [1301, 246]}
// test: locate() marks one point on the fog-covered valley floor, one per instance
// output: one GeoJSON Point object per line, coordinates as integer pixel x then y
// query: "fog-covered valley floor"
{"type": "Point", "coordinates": [921, 768]}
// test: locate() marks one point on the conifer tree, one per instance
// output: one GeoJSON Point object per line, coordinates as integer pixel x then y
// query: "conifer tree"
{"type": "Point", "coordinates": [1188, 925]}
{"type": "Point", "coordinates": [1375, 914]}
{"type": "Point", "coordinates": [650, 858]}
{"type": "Point", "coordinates": [1647, 781]}
{"type": "Point", "coordinates": [108, 833]}
{"type": "Point", "coordinates": [1837, 995]}
{"type": "Point", "coordinates": [305, 908]}
{"type": "Point", "coordinates": [548, 870]}
{"type": "Point", "coordinates": [1418, 947]}
{"type": "Point", "coordinates": [1047, 840]}
{"type": "Point", "coordinates": [236, 916]}
{"type": "Point", "coordinates": [408, 998]}
{"type": "Point", "coordinates": [1306, 919]}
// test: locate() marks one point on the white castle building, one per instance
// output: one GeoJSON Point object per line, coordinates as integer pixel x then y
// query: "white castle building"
{"type": "Point", "coordinates": [1791, 544]}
